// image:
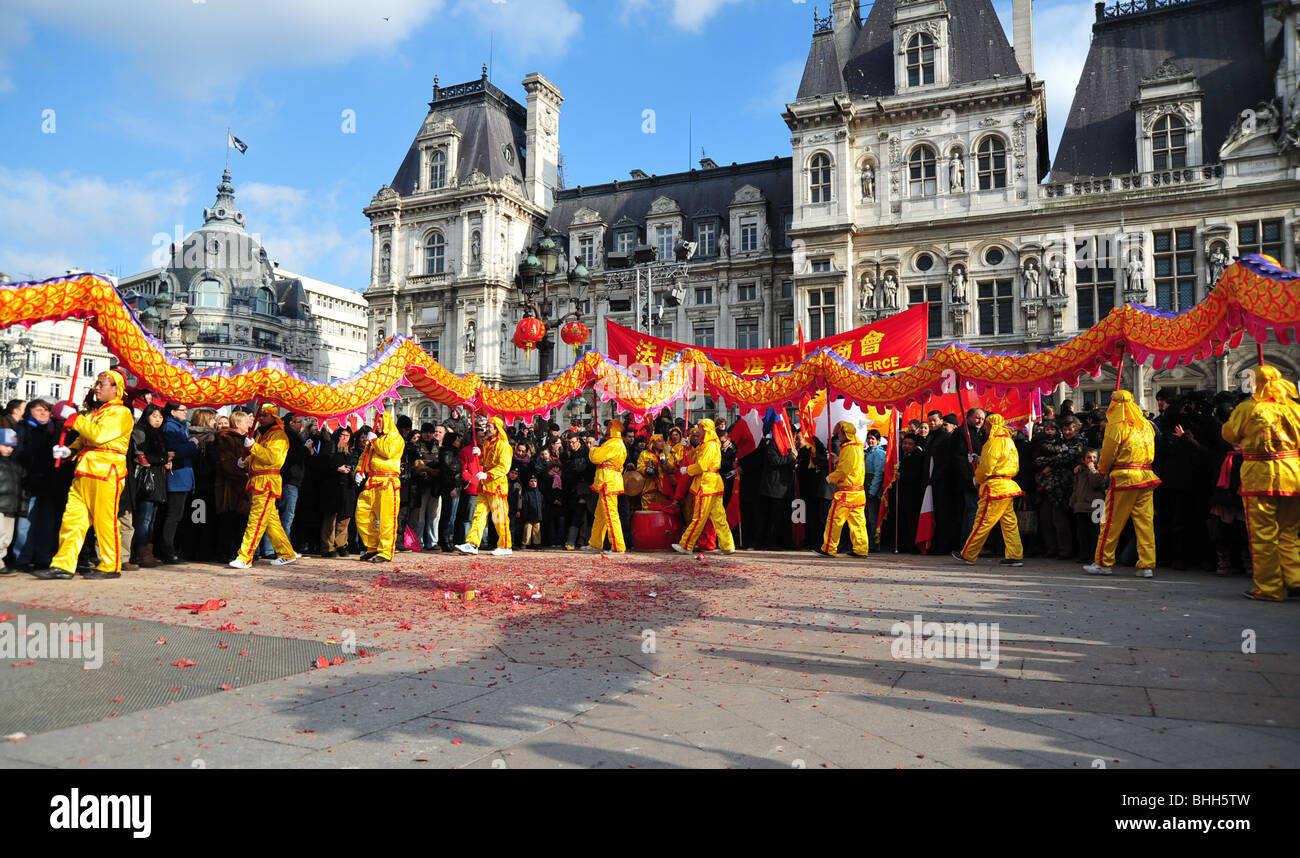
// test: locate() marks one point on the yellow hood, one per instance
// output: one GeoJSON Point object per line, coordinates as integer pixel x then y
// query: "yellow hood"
{"type": "Point", "coordinates": [710, 431]}
{"type": "Point", "coordinates": [1270, 386]}
{"type": "Point", "coordinates": [1123, 409]}
{"type": "Point", "coordinates": [616, 428]}
{"type": "Point", "coordinates": [997, 426]}
{"type": "Point", "coordinates": [118, 381]}
{"type": "Point", "coordinates": [385, 423]}
{"type": "Point", "coordinates": [850, 431]}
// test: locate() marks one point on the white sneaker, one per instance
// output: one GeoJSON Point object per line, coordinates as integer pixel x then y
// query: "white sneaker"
{"type": "Point", "coordinates": [502, 552]}
{"type": "Point", "coordinates": [239, 564]}
{"type": "Point", "coordinates": [1094, 569]}
{"type": "Point", "coordinates": [1146, 573]}
{"type": "Point", "coordinates": [589, 549]}
{"type": "Point", "coordinates": [285, 561]}
{"type": "Point", "coordinates": [466, 548]}
{"type": "Point", "coordinates": [727, 551]}
{"type": "Point", "coordinates": [679, 548]}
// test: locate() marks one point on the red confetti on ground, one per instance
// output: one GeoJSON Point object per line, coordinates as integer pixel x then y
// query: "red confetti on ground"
{"type": "Point", "coordinates": [22, 663]}
{"type": "Point", "coordinates": [225, 687]}
{"type": "Point", "coordinates": [6, 617]}
{"type": "Point", "coordinates": [228, 626]}
{"type": "Point", "coordinates": [184, 662]}
{"type": "Point", "coordinates": [209, 605]}
{"type": "Point", "coordinates": [222, 645]}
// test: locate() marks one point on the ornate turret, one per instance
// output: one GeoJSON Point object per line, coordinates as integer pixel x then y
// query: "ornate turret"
{"type": "Point", "coordinates": [224, 210]}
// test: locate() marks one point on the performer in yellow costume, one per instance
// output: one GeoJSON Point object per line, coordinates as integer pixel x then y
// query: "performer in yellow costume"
{"type": "Point", "coordinates": [380, 501]}
{"type": "Point", "coordinates": [608, 485]}
{"type": "Point", "coordinates": [850, 500]}
{"type": "Point", "coordinates": [493, 492]}
{"type": "Point", "coordinates": [1126, 455]}
{"type": "Point", "coordinates": [1267, 428]}
{"type": "Point", "coordinates": [102, 440]}
{"type": "Point", "coordinates": [265, 456]}
{"type": "Point", "coordinates": [655, 465]}
{"type": "Point", "coordinates": [706, 490]}
{"type": "Point", "coordinates": [996, 477]}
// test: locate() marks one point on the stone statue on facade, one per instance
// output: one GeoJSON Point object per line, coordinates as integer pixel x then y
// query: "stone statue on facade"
{"type": "Point", "coordinates": [866, 293]}
{"type": "Point", "coordinates": [1133, 272]}
{"type": "Point", "coordinates": [475, 249]}
{"type": "Point", "coordinates": [1056, 280]}
{"type": "Point", "coordinates": [891, 292]}
{"type": "Point", "coordinates": [956, 173]}
{"type": "Point", "coordinates": [470, 344]}
{"type": "Point", "coordinates": [385, 262]}
{"type": "Point", "coordinates": [767, 238]}
{"type": "Point", "coordinates": [1218, 261]}
{"type": "Point", "coordinates": [724, 245]}
{"type": "Point", "coordinates": [1031, 281]}
{"type": "Point", "coordinates": [868, 182]}
{"type": "Point", "coordinates": [957, 280]}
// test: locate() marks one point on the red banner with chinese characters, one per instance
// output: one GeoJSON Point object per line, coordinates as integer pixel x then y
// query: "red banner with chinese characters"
{"type": "Point", "coordinates": [889, 345]}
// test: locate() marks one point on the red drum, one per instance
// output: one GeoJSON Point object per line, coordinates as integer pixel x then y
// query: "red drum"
{"type": "Point", "coordinates": [655, 531]}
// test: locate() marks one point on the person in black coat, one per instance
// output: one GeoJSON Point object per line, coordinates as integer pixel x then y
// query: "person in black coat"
{"type": "Point", "coordinates": [145, 489]}
{"type": "Point", "coordinates": [334, 467]}
{"type": "Point", "coordinates": [961, 468]}
{"type": "Point", "coordinates": [776, 489]}
{"type": "Point", "coordinates": [450, 485]}
{"type": "Point", "coordinates": [12, 502]}
{"type": "Point", "coordinates": [812, 469]}
{"type": "Point", "coordinates": [576, 477]}
{"type": "Point", "coordinates": [909, 491]}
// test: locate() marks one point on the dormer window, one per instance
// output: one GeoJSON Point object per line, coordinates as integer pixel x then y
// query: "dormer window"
{"type": "Point", "coordinates": [1169, 143]}
{"type": "Point", "coordinates": [438, 170]}
{"type": "Point", "coordinates": [624, 240]}
{"type": "Point", "coordinates": [706, 235]}
{"type": "Point", "coordinates": [265, 302]}
{"type": "Point", "coordinates": [920, 60]}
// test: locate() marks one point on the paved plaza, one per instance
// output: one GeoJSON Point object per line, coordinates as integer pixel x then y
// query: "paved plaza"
{"type": "Point", "coordinates": [758, 660]}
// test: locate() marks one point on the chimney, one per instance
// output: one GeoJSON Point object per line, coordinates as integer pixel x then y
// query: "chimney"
{"type": "Point", "coordinates": [541, 166]}
{"type": "Point", "coordinates": [847, 23]}
{"type": "Point", "coordinates": [1022, 22]}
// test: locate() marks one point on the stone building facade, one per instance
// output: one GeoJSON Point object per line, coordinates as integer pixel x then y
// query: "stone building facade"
{"type": "Point", "coordinates": [919, 172]}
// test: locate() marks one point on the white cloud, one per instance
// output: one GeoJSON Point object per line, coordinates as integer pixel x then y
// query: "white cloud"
{"type": "Point", "coordinates": [690, 15]}
{"type": "Point", "coordinates": [780, 87]}
{"type": "Point", "coordinates": [301, 230]}
{"type": "Point", "coordinates": [204, 50]}
{"type": "Point", "coordinates": [60, 221]}
{"type": "Point", "coordinates": [523, 31]}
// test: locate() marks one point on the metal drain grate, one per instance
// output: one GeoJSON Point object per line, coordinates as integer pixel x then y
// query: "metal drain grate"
{"type": "Point", "coordinates": [54, 693]}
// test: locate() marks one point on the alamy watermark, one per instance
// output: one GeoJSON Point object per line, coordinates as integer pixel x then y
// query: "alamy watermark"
{"type": "Point", "coordinates": [946, 640]}
{"type": "Point", "coordinates": [23, 641]}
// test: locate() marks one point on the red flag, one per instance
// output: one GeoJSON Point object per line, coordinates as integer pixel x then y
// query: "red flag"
{"type": "Point", "coordinates": [746, 432]}
{"type": "Point", "coordinates": [925, 524]}
{"type": "Point", "coordinates": [782, 436]}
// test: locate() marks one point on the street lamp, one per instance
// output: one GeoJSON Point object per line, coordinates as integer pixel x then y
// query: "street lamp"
{"type": "Point", "coordinates": [536, 273]}
{"type": "Point", "coordinates": [189, 331]}
{"type": "Point", "coordinates": [150, 320]}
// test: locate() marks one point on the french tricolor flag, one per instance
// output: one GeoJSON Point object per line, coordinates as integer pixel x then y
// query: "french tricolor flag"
{"type": "Point", "coordinates": [925, 525]}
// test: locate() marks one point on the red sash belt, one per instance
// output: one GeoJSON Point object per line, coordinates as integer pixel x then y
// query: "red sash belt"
{"type": "Point", "coordinates": [1270, 457]}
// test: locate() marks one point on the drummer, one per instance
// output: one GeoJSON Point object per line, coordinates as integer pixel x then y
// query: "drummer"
{"type": "Point", "coordinates": [656, 466]}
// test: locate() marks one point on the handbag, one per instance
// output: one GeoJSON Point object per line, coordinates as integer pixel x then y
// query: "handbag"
{"type": "Point", "coordinates": [146, 481]}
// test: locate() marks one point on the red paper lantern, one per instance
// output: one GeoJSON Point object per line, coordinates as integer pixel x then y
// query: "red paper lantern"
{"type": "Point", "coordinates": [529, 332]}
{"type": "Point", "coordinates": [574, 333]}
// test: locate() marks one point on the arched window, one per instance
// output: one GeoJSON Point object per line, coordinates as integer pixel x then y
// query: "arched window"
{"type": "Point", "coordinates": [819, 179]}
{"type": "Point", "coordinates": [992, 158]}
{"type": "Point", "coordinates": [435, 253]}
{"type": "Point", "coordinates": [922, 180]}
{"type": "Point", "coordinates": [265, 302]}
{"type": "Point", "coordinates": [920, 60]}
{"type": "Point", "coordinates": [438, 170]}
{"type": "Point", "coordinates": [1169, 143]}
{"type": "Point", "coordinates": [210, 293]}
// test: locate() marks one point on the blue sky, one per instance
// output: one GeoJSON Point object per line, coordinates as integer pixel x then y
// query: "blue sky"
{"type": "Point", "coordinates": [138, 95]}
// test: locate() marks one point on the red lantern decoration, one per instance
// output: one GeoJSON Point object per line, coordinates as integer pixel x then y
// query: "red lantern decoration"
{"type": "Point", "coordinates": [529, 332]}
{"type": "Point", "coordinates": [574, 333]}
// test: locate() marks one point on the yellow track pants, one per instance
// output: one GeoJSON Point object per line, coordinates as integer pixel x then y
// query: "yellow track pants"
{"type": "Point", "coordinates": [1272, 522]}
{"type": "Point", "coordinates": [607, 517]}
{"type": "Point", "coordinates": [843, 512]}
{"type": "Point", "coordinates": [708, 508]}
{"type": "Point", "coordinates": [91, 501]}
{"type": "Point", "coordinates": [1120, 507]}
{"type": "Point", "coordinates": [377, 508]}
{"type": "Point", "coordinates": [263, 517]}
{"type": "Point", "coordinates": [500, 510]}
{"type": "Point", "coordinates": [990, 513]}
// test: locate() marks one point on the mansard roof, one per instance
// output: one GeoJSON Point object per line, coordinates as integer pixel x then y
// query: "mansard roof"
{"type": "Point", "coordinates": [697, 192]}
{"type": "Point", "coordinates": [1220, 41]}
{"type": "Point", "coordinates": [980, 49]}
{"type": "Point", "coordinates": [822, 74]}
{"type": "Point", "coordinates": [487, 119]}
